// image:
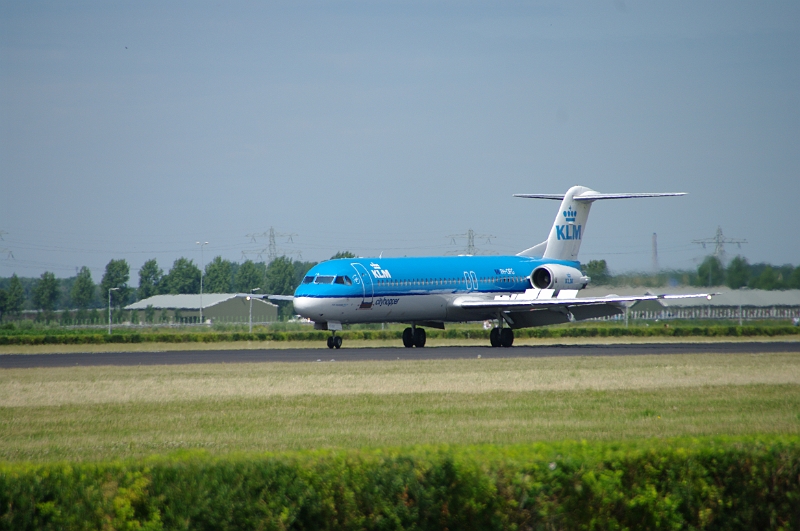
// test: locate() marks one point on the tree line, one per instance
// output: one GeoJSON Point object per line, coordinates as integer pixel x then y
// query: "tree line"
{"type": "Point", "coordinates": [48, 293]}
{"type": "Point", "coordinates": [711, 272]}
{"type": "Point", "coordinates": [281, 276]}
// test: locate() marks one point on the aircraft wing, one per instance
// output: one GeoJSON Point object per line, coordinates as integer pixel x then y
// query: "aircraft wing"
{"type": "Point", "coordinates": [521, 302]}
{"type": "Point", "coordinates": [280, 297]}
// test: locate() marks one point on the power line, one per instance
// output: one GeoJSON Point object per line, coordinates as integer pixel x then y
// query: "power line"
{"type": "Point", "coordinates": [272, 249]}
{"type": "Point", "coordinates": [7, 252]}
{"type": "Point", "coordinates": [719, 240]}
{"type": "Point", "coordinates": [470, 235]}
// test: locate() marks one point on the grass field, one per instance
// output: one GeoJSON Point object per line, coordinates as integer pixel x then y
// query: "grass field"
{"type": "Point", "coordinates": [88, 413]}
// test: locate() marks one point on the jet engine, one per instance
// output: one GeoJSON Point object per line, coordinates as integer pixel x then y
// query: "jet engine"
{"type": "Point", "coordinates": [555, 276]}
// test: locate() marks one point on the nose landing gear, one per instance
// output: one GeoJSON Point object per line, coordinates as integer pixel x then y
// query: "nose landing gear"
{"type": "Point", "coordinates": [335, 341]}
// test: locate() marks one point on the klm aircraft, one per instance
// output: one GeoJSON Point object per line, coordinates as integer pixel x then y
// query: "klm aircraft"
{"type": "Point", "coordinates": [536, 287]}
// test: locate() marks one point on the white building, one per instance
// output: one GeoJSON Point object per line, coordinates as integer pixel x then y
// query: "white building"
{"type": "Point", "coordinates": [218, 307]}
{"type": "Point", "coordinates": [754, 303]}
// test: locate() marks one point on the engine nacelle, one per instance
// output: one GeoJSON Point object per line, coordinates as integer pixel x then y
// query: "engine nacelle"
{"type": "Point", "coordinates": [555, 276]}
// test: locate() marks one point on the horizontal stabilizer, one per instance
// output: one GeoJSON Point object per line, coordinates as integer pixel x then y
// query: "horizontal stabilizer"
{"type": "Point", "coordinates": [594, 196]}
{"type": "Point", "coordinates": [558, 197]}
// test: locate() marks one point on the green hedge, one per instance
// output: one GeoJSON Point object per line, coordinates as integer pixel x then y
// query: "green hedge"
{"type": "Point", "coordinates": [452, 333]}
{"type": "Point", "coordinates": [699, 484]}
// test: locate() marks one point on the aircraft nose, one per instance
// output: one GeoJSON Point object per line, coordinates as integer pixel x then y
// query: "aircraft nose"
{"type": "Point", "coordinates": [306, 306]}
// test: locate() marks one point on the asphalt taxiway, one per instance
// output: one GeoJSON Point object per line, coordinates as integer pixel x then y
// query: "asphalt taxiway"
{"type": "Point", "coordinates": [20, 361]}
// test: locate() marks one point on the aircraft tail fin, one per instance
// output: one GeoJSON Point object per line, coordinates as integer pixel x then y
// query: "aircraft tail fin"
{"type": "Point", "coordinates": [568, 229]}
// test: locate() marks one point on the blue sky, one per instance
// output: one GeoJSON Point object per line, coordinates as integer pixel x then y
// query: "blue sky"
{"type": "Point", "coordinates": [132, 130]}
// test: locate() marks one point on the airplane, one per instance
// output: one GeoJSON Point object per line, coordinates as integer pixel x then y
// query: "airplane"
{"type": "Point", "coordinates": [535, 287]}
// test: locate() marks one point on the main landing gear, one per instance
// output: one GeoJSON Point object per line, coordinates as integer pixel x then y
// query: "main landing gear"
{"type": "Point", "coordinates": [335, 341]}
{"type": "Point", "coordinates": [501, 337]}
{"type": "Point", "coordinates": [414, 337]}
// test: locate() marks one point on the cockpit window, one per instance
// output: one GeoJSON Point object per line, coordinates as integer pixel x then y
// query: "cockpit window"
{"type": "Point", "coordinates": [325, 279]}
{"type": "Point", "coordinates": [343, 280]}
{"type": "Point", "coordinates": [308, 280]}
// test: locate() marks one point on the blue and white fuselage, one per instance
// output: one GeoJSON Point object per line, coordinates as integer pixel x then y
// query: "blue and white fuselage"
{"type": "Point", "coordinates": [364, 290]}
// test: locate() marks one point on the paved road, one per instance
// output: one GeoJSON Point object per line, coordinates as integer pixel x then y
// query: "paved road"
{"type": "Point", "coordinates": [12, 361]}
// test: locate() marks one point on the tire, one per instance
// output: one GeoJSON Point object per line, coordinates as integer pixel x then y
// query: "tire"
{"type": "Point", "coordinates": [506, 337]}
{"type": "Point", "coordinates": [419, 338]}
{"type": "Point", "coordinates": [330, 341]}
{"type": "Point", "coordinates": [408, 338]}
{"type": "Point", "coordinates": [494, 337]}
{"type": "Point", "coordinates": [337, 342]}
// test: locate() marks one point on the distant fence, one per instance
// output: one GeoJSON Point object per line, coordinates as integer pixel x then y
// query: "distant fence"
{"type": "Point", "coordinates": [711, 312]}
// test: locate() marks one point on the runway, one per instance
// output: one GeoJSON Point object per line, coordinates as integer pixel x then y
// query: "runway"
{"type": "Point", "coordinates": [28, 361]}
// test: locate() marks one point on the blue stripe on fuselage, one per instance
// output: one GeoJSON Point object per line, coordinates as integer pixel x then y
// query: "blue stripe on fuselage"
{"type": "Point", "coordinates": [388, 277]}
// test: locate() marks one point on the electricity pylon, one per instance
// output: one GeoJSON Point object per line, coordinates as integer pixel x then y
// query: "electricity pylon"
{"type": "Point", "coordinates": [719, 240]}
{"type": "Point", "coordinates": [471, 250]}
{"type": "Point", "coordinates": [272, 250]}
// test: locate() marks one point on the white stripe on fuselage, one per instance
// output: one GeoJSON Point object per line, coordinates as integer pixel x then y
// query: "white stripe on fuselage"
{"type": "Point", "coordinates": [407, 307]}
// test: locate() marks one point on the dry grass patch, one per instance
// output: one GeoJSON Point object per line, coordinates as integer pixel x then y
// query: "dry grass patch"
{"type": "Point", "coordinates": [164, 384]}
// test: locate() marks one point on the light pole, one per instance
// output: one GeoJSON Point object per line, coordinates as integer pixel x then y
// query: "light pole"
{"type": "Point", "coordinates": [202, 267]}
{"type": "Point", "coordinates": [109, 308]}
{"type": "Point", "coordinates": [250, 298]}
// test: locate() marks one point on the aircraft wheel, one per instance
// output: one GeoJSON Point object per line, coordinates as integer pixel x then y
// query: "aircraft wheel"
{"type": "Point", "coordinates": [506, 337]}
{"type": "Point", "coordinates": [337, 342]}
{"type": "Point", "coordinates": [494, 337]}
{"type": "Point", "coordinates": [408, 338]}
{"type": "Point", "coordinates": [419, 338]}
{"type": "Point", "coordinates": [330, 341]}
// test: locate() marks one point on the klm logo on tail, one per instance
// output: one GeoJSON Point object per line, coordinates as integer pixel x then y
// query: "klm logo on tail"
{"type": "Point", "coordinates": [570, 231]}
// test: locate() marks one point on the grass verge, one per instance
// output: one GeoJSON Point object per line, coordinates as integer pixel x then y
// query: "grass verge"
{"type": "Point", "coordinates": [97, 413]}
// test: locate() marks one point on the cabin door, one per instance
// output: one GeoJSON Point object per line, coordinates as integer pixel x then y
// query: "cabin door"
{"type": "Point", "coordinates": [364, 278]}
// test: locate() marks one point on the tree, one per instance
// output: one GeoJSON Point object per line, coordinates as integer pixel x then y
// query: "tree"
{"type": "Point", "coordinates": [150, 278]}
{"type": "Point", "coordinates": [597, 270]}
{"type": "Point", "coordinates": [738, 273]}
{"type": "Point", "coordinates": [710, 272]}
{"type": "Point", "coordinates": [3, 298]}
{"type": "Point", "coordinates": [281, 277]}
{"type": "Point", "coordinates": [15, 295]}
{"type": "Point", "coordinates": [794, 280]}
{"type": "Point", "coordinates": [83, 290]}
{"type": "Point", "coordinates": [219, 276]}
{"type": "Point", "coordinates": [248, 277]}
{"type": "Point", "coordinates": [184, 277]}
{"type": "Point", "coordinates": [768, 279]}
{"type": "Point", "coordinates": [116, 276]}
{"type": "Point", "coordinates": [343, 254]}
{"type": "Point", "coordinates": [45, 292]}
{"type": "Point", "coordinates": [149, 314]}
